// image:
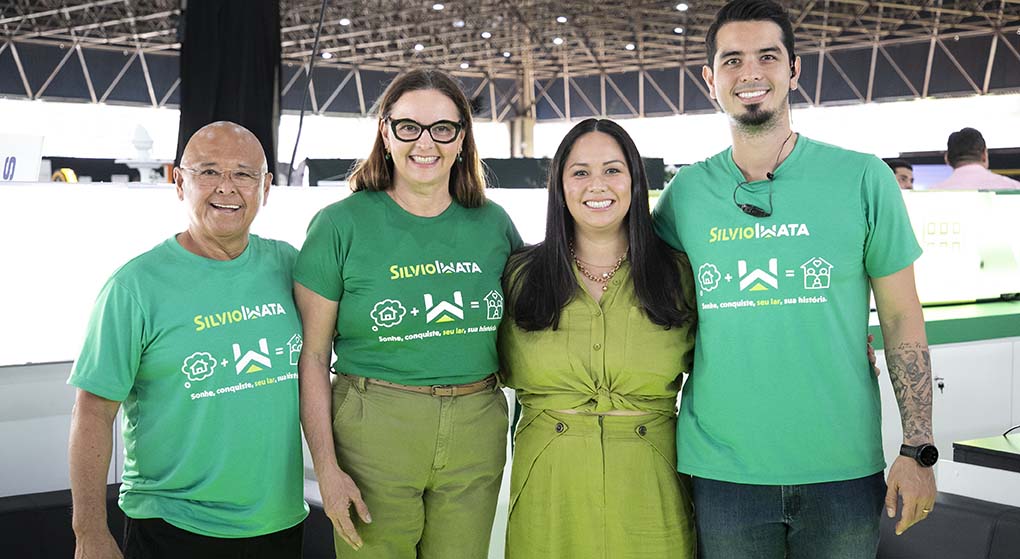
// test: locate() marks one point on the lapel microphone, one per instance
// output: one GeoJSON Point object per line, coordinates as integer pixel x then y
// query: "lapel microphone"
{"type": "Point", "coordinates": [770, 176]}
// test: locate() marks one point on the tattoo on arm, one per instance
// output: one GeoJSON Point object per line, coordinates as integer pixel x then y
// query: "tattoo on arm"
{"type": "Point", "coordinates": [910, 371]}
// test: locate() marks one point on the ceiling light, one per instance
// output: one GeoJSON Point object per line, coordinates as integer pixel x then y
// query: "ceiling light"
{"type": "Point", "coordinates": [486, 34]}
{"type": "Point", "coordinates": [682, 7]}
{"type": "Point", "coordinates": [419, 47]}
{"type": "Point", "coordinates": [345, 22]}
{"type": "Point", "coordinates": [630, 46]}
{"type": "Point", "coordinates": [458, 23]}
{"type": "Point", "coordinates": [327, 55]}
{"type": "Point", "coordinates": [506, 54]}
{"type": "Point", "coordinates": [557, 40]}
{"type": "Point", "coordinates": [561, 19]}
{"type": "Point", "coordinates": [464, 65]}
{"type": "Point", "coordinates": [678, 30]}
{"type": "Point", "coordinates": [437, 6]}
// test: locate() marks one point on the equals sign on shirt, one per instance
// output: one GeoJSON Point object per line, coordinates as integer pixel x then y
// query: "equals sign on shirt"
{"type": "Point", "coordinates": [474, 304]}
{"type": "Point", "coordinates": [279, 351]}
{"type": "Point", "coordinates": [789, 273]}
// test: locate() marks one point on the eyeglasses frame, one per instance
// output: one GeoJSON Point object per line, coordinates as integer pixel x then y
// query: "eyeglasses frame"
{"type": "Point", "coordinates": [458, 125]}
{"type": "Point", "coordinates": [224, 174]}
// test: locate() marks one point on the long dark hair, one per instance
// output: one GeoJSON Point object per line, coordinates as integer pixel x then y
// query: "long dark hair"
{"type": "Point", "coordinates": [467, 177]}
{"type": "Point", "coordinates": [539, 280]}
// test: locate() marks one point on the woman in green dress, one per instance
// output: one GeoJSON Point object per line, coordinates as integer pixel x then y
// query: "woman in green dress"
{"type": "Point", "coordinates": [600, 333]}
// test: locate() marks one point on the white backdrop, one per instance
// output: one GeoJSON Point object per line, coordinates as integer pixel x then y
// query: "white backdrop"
{"type": "Point", "coordinates": [885, 129]}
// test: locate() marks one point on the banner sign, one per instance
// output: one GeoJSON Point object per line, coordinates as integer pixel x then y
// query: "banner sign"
{"type": "Point", "coordinates": [20, 158]}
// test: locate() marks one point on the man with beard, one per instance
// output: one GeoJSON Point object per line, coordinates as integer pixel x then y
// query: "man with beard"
{"type": "Point", "coordinates": [780, 423]}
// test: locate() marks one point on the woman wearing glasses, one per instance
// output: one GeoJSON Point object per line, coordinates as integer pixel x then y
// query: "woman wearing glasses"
{"type": "Point", "coordinates": [402, 281]}
{"type": "Point", "coordinates": [599, 332]}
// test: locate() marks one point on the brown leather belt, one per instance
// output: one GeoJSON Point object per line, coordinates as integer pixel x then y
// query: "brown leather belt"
{"type": "Point", "coordinates": [439, 389]}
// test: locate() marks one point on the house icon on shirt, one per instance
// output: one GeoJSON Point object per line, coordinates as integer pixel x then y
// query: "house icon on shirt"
{"type": "Point", "coordinates": [494, 304]}
{"type": "Point", "coordinates": [294, 345]}
{"type": "Point", "coordinates": [817, 273]}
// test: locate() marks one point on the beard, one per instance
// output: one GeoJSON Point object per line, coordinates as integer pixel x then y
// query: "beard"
{"type": "Point", "coordinates": [755, 117]}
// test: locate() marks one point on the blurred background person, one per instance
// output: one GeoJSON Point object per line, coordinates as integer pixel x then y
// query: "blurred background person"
{"type": "Point", "coordinates": [904, 172]}
{"type": "Point", "coordinates": [967, 154]}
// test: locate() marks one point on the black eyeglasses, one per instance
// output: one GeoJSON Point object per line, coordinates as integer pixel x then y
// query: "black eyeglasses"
{"type": "Point", "coordinates": [751, 209]}
{"type": "Point", "coordinates": [441, 131]}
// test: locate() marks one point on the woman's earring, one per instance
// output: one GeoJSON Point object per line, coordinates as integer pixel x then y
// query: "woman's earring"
{"type": "Point", "coordinates": [460, 159]}
{"type": "Point", "coordinates": [388, 155]}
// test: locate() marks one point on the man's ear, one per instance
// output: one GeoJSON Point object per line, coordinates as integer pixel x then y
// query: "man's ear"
{"type": "Point", "coordinates": [795, 73]}
{"type": "Point", "coordinates": [179, 182]}
{"type": "Point", "coordinates": [709, 77]}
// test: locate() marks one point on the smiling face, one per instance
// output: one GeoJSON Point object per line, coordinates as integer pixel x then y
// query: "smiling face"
{"type": "Point", "coordinates": [422, 164]}
{"type": "Point", "coordinates": [597, 184]}
{"type": "Point", "coordinates": [751, 76]}
{"type": "Point", "coordinates": [222, 209]}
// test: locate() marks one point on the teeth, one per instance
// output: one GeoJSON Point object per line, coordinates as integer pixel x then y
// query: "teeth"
{"type": "Point", "coordinates": [424, 159]}
{"type": "Point", "coordinates": [598, 204]}
{"type": "Point", "coordinates": [226, 206]}
{"type": "Point", "coordinates": [751, 94]}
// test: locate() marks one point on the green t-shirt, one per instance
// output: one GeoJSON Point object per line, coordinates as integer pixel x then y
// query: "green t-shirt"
{"type": "Point", "coordinates": [203, 354]}
{"type": "Point", "coordinates": [419, 297]}
{"type": "Point", "coordinates": [782, 392]}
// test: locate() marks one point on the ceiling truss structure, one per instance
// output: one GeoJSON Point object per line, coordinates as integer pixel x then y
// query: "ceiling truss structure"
{"type": "Point", "coordinates": [551, 60]}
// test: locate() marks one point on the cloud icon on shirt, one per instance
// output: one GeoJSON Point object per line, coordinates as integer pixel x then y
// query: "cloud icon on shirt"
{"type": "Point", "coordinates": [198, 366]}
{"type": "Point", "coordinates": [388, 313]}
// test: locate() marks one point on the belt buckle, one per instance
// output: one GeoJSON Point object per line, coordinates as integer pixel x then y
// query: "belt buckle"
{"type": "Point", "coordinates": [443, 390]}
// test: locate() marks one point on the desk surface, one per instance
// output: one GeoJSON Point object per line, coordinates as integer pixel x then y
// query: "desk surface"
{"type": "Point", "coordinates": [964, 323]}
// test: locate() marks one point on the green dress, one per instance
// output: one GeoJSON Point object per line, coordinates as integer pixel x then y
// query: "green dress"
{"type": "Point", "coordinates": [593, 486]}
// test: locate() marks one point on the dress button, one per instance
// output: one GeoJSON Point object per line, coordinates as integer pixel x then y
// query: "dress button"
{"type": "Point", "coordinates": [560, 427]}
{"type": "Point", "coordinates": [598, 313]}
{"type": "Point", "coordinates": [642, 430]}
{"type": "Point", "coordinates": [597, 347]}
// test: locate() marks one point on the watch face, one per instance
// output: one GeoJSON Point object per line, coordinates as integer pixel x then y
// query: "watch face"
{"type": "Point", "coordinates": [928, 455]}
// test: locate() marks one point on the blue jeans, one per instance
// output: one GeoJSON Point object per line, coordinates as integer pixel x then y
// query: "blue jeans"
{"type": "Point", "coordinates": [834, 520]}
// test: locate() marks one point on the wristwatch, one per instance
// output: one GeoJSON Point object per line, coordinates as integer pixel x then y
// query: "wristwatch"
{"type": "Point", "coordinates": [926, 454]}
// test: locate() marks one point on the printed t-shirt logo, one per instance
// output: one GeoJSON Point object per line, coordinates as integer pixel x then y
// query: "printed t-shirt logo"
{"type": "Point", "coordinates": [398, 271]}
{"type": "Point", "coordinates": [199, 366]}
{"type": "Point", "coordinates": [444, 311]}
{"type": "Point", "coordinates": [252, 359]}
{"type": "Point", "coordinates": [758, 279]}
{"type": "Point", "coordinates": [757, 231]}
{"type": "Point", "coordinates": [240, 314]}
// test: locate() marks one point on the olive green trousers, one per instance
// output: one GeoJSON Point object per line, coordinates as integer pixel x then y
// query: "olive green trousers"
{"type": "Point", "coordinates": [429, 468]}
{"type": "Point", "coordinates": [598, 487]}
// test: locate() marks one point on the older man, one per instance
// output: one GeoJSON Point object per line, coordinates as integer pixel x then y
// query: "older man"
{"type": "Point", "coordinates": [197, 339]}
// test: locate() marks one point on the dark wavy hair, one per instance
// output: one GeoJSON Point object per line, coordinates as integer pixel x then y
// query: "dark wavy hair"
{"type": "Point", "coordinates": [539, 280]}
{"type": "Point", "coordinates": [467, 176]}
{"type": "Point", "coordinates": [751, 10]}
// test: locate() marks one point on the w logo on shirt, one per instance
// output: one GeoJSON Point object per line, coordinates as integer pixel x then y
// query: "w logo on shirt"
{"type": "Point", "coordinates": [252, 358]}
{"type": "Point", "coordinates": [444, 311]}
